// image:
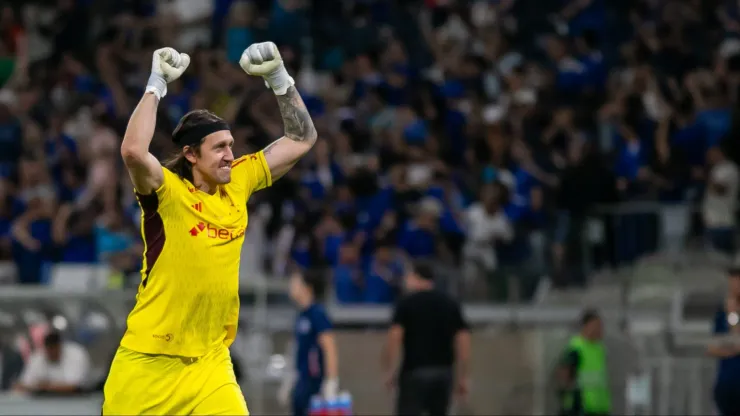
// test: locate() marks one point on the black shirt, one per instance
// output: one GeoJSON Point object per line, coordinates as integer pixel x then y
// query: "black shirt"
{"type": "Point", "coordinates": [430, 320]}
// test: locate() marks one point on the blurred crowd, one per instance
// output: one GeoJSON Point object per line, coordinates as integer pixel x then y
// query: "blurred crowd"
{"type": "Point", "coordinates": [481, 135]}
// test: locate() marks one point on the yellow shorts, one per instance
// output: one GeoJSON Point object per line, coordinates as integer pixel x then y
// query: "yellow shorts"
{"type": "Point", "coordinates": [146, 384]}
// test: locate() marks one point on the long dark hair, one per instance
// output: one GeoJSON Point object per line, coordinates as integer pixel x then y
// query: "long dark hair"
{"type": "Point", "coordinates": [177, 163]}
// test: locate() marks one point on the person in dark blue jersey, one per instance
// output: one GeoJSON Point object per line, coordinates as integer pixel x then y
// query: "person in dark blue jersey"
{"type": "Point", "coordinates": [726, 347]}
{"type": "Point", "coordinates": [316, 359]}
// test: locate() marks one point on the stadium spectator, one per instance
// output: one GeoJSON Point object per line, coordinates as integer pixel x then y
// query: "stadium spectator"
{"type": "Point", "coordinates": [348, 279]}
{"type": "Point", "coordinates": [31, 229]}
{"type": "Point", "coordinates": [384, 280]}
{"type": "Point", "coordinates": [486, 225]}
{"type": "Point", "coordinates": [420, 103]}
{"type": "Point", "coordinates": [582, 373]}
{"type": "Point", "coordinates": [11, 134]}
{"type": "Point", "coordinates": [432, 339]}
{"type": "Point", "coordinates": [720, 201]}
{"type": "Point", "coordinates": [420, 236]}
{"type": "Point", "coordinates": [725, 348]}
{"type": "Point", "coordinates": [61, 368]}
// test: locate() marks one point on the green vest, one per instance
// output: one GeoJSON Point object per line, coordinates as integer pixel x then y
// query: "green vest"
{"type": "Point", "coordinates": [591, 379]}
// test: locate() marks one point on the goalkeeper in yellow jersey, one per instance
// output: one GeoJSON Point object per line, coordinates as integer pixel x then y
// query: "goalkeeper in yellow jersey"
{"type": "Point", "coordinates": [174, 357]}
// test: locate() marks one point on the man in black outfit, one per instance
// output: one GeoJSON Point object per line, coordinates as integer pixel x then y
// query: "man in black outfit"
{"type": "Point", "coordinates": [429, 324]}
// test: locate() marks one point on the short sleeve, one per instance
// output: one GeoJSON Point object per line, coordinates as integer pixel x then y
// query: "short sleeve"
{"type": "Point", "coordinates": [164, 189]}
{"type": "Point", "coordinates": [254, 168]}
{"type": "Point", "coordinates": [167, 184]}
{"type": "Point", "coordinates": [460, 323]}
{"type": "Point", "coordinates": [321, 322]}
{"type": "Point", "coordinates": [400, 314]}
{"type": "Point", "coordinates": [150, 203]}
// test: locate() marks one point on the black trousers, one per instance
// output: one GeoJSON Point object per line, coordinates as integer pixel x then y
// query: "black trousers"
{"type": "Point", "coordinates": [425, 391]}
{"type": "Point", "coordinates": [303, 391]}
{"type": "Point", "coordinates": [727, 400]}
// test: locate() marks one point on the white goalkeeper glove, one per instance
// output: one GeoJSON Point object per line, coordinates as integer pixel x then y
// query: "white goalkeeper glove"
{"type": "Point", "coordinates": [263, 59]}
{"type": "Point", "coordinates": [330, 388]}
{"type": "Point", "coordinates": [167, 66]}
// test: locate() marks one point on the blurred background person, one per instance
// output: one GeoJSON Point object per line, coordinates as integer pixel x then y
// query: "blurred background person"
{"type": "Point", "coordinates": [427, 355]}
{"type": "Point", "coordinates": [486, 226]}
{"type": "Point", "coordinates": [583, 371]}
{"type": "Point", "coordinates": [60, 369]}
{"type": "Point", "coordinates": [316, 361]}
{"type": "Point", "coordinates": [720, 201]}
{"type": "Point", "coordinates": [726, 347]}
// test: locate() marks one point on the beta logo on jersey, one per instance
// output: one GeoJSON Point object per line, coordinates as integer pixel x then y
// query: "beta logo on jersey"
{"type": "Point", "coordinates": [211, 231]}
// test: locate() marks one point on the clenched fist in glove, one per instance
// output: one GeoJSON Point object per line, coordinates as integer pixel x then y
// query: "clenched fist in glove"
{"type": "Point", "coordinates": [167, 66]}
{"type": "Point", "coordinates": [263, 59]}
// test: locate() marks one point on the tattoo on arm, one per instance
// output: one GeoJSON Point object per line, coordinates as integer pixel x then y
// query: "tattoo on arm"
{"type": "Point", "coordinates": [296, 119]}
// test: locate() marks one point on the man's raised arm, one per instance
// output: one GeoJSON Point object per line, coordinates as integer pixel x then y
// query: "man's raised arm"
{"type": "Point", "coordinates": [263, 59]}
{"type": "Point", "coordinates": [143, 168]}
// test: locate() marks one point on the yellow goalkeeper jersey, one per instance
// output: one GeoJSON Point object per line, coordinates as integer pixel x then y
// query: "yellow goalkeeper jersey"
{"type": "Point", "coordinates": [188, 299]}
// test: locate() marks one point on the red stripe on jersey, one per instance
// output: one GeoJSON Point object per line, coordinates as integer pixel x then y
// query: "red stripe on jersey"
{"type": "Point", "coordinates": [153, 231]}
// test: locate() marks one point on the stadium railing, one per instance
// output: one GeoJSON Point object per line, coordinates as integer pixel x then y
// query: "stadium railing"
{"type": "Point", "coordinates": [629, 231]}
{"type": "Point", "coordinates": [675, 386]}
{"type": "Point", "coordinates": [655, 329]}
{"type": "Point", "coordinates": [515, 349]}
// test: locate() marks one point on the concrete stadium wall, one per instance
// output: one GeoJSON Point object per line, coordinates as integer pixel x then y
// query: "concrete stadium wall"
{"type": "Point", "coordinates": [511, 372]}
{"type": "Point", "coordinates": [504, 373]}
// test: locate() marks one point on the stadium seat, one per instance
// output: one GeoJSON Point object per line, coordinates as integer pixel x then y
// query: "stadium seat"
{"type": "Point", "coordinates": [79, 277]}
{"type": "Point", "coordinates": [8, 272]}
